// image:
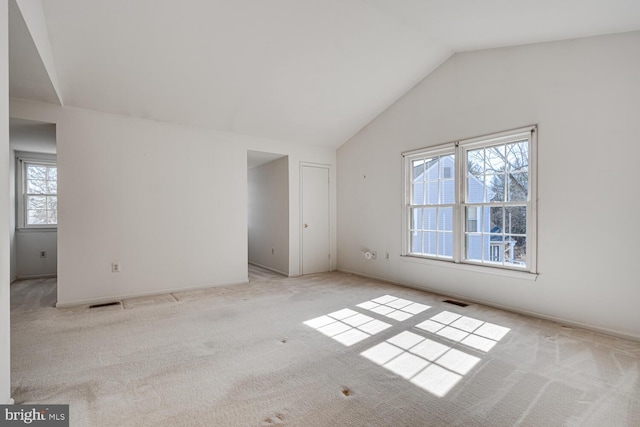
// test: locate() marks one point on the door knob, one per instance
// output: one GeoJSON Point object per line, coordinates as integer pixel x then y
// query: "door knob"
{"type": "Point", "coordinates": [306, 226]}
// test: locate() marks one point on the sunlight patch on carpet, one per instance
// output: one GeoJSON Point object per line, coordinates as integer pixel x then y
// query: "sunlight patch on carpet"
{"type": "Point", "coordinates": [393, 307]}
{"type": "Point", "coordinates": [471, 332]}
{"type": "Point", "coordinates": [432, 365]}
{"type": "Point", "coordinates": [346, 326]}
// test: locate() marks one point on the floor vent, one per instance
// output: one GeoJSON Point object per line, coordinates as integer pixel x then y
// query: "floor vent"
{"type": "Point", "coordinates": [106, 304]}
{"type": "Point", "coordinates": [458, 303]}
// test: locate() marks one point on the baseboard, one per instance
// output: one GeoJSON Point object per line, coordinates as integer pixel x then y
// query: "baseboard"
{"type": "Point", "coordinates": [37, 276]}
{"type": "Point", "coordinates": [141, 294]}
{"type": "Point", "coordinates": [555, 319]}
{"type": "Point", "coordinates": [269, 268]}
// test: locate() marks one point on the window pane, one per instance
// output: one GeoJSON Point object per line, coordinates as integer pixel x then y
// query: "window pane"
{"type": "Point", "coordinates": [416, 242]}
{"type": "Point", "coordinates": [475, 162]}
{"type": "Point", "coordinates": [36, 172]}
{"type": "Point", "coordinates": [430, 239]}
{"type": "Point", "coordinates": [475, 190]}
{"type": "Point", "coordinates": [445, 244]}
{"type": "Point", "coordinates": [416, 218]}
{"type": "Point", "coordinates": [35, 217]}
{"type": "Point", "coordinates": [519, 252]}
{"type": "Point", "coordinates": [447, 192]}
{"type": "Point", "coordinates": [36, 186]}
{"type": "Point", "coordinates": [515, 220]}
{"type": "Point", "coordinates": [494, 159]}
{"type": "Point", "coordinates": [52, 217]}
{"type": "Point", "coordinates": [447, 166]}
{"type": "Point", "coordinates": [418, 193]}
{"type": "Point", "coordinates": [52, 203]}
{"type": "Point", "coordinates": [52, 187]}
{"type": "Point", "coordinates": [417, 167]}
{"type": "Point", "coordinates": [517, 186]}
{"type": "Point", "coordinates": [52, 173]}
{"type": "Point", "coordinates": [36, 202]}
{"type": "Point", "coordinates": [496, 250]}
{"type": "Point", "coordinates": [432, 167]}
{"type": "Point", "coordinates": [495, 220]}
{"type": "Point", "coordinates": [474, 247]}
{"type": "Point", "coordinates": [445, 219]}
{"type": "Point", "coordinates": [495, 188]}
{"type": "Point", "coordinates": [473, 218]}
{"type": "Point", "coordinates": [430, 219]}
{"type": "Point", "coordinates": [432, 193]}
{"type": "Point", "coordinates": [518, 156]}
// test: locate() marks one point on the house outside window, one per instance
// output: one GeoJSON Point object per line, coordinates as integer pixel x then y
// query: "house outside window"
{"type": "Point", "coordinates": [473, 201]}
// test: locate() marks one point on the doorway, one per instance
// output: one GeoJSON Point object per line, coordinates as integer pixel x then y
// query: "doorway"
{"type": "Point", "coordinates": [268, 212]}
{"type": "Point", "coordinates": [33, 208]}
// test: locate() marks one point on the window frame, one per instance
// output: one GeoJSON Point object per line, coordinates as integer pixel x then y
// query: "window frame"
{"type": "Point", "coordinates": [440, 151]}
{"type": "Point", "coordinates": [459, 149]}
{"type": "Point", "coordinates": [21, 182]}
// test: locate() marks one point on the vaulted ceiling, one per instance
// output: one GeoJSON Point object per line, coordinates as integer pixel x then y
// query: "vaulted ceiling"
{"type": "Point", "coordinates": [304, 71]}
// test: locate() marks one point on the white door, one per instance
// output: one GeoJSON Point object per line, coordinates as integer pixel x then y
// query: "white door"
{"type": "Point", "coordinates": [315, 219]}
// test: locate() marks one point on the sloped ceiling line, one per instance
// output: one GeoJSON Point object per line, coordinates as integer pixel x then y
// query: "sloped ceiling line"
{"type": "Point", "coordinates": [33, 15]}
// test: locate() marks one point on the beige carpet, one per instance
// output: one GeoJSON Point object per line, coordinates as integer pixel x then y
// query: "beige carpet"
{"type": "Point", "coordinates": [323, 350]}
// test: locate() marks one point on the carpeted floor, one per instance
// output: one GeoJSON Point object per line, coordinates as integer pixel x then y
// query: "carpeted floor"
{"type": "Point", "coordinates": [322, 350]}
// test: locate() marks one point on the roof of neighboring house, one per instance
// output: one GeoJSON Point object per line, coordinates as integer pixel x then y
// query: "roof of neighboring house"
{"type": "Point", "coordinates": [500, 238]}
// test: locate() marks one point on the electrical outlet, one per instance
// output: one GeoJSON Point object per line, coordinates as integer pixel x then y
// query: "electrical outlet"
{"type": "Point", "coordinates": [374, 255]}
{"type": "Point", "coordinates": [115, 267]}
{"type": "Point", "coordinates": [43, 254]}
{"type": "Point", "coordinates": [386, 255]}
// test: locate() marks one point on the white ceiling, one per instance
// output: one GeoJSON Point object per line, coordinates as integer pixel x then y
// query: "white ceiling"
{"type": "Point", "coordinates": [31, 136]}
{"type": "Point", "coordinates": [302, 71]}
{"type": "Point", "coordinates": [259, 158]}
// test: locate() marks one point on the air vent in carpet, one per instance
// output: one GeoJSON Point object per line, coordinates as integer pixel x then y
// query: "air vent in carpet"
{"type": "Point", "coordinates": [106, 304]}
{"type": "Point", "coordinates": [458, 303]}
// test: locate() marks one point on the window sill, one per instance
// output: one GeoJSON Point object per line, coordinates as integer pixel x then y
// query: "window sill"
{"type": "Point", "coordinates": [36, 229]}
{"type": "Point", "coordinates": [496, 271]}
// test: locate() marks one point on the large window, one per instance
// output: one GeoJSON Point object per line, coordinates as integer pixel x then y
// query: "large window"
{"type": "Point", "coordinates": [473, 201]}
{"type": "Point", "coordinates": [39, 184]}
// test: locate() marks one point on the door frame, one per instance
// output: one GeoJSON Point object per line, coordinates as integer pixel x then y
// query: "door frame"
{"type": "Point", "coordinates": [301, 217]}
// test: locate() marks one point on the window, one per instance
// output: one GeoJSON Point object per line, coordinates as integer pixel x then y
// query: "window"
{"type": "Point", "coordinates": [473, 201]}
{"type": "Point", "coordinates": [432, 199]}
{"type": "Point", "coordinates": [39, 207]}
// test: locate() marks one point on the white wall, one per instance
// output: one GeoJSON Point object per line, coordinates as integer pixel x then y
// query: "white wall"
{"type": "Point", "coordinates": [585, 96]}
{"type": "Point", "coordinates": [168, 202]}
{"type": "Point", "coordinates": [269, 215]}
{"type": "Point", "coordinates": [5, 342]}
{"type": "Point", "coordinates": [29, 244]}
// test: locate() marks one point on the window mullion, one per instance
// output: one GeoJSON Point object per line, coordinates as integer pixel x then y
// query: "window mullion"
{"type": "Point", "coordinates": [459, 214]}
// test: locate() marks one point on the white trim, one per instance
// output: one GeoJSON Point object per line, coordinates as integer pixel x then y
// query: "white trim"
{"type": "Point", "coordinates": [301, 217]}
{"type": "Point", "coordinates": [534, 314]}
{"type": "Point", "coordinates": [120, 298]}
{"type": "Point", "coordinates": [43, 229]}
{"type": "Point", "coordinates": [495, 270]}
{"type": "Point", "coordinates": [21, 195]}
{"type": "Point", "coordinates": [38, 276]}
{"type": "Point", "coordinates": [274, 270]}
